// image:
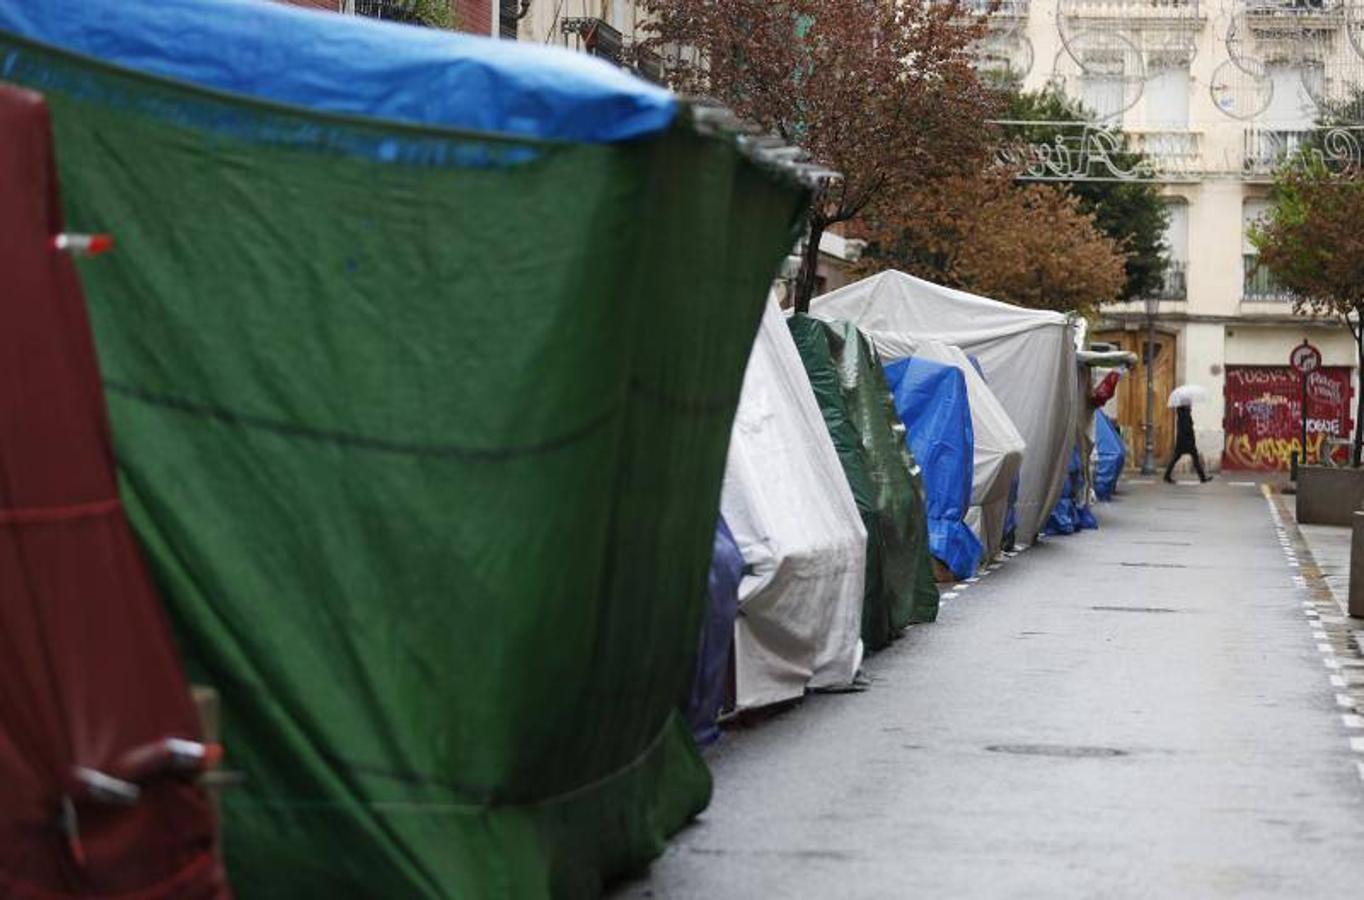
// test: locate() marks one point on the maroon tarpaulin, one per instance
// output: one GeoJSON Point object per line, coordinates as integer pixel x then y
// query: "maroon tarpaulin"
{"type": "Point", "coordinates": [90, 684]}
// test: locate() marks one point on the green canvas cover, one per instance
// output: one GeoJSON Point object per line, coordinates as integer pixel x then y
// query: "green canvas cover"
{"type": "Point", "coordinates": [423, 435]}
{"type": "Point", "coordinates": [855, 400]}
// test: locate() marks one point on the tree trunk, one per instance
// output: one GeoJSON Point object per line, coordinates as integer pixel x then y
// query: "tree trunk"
{"type": "Point", "coordinates": [1358, 332]}
{"type": "Point", "coordinates": [809, 262]}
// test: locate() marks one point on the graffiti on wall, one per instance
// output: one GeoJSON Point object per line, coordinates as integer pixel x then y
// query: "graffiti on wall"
{"type": "Point", "coordinates": [1263, 419]}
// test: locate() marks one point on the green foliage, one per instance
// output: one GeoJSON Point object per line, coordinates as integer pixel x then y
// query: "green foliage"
{"type": "Point", "coordinates": [434, 13]}
{"type": "Point", "coordinates": [1131, 213]}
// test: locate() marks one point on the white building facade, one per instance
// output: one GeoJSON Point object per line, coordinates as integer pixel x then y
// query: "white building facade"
{"type": "Point", "coordinates": [1217, 95]}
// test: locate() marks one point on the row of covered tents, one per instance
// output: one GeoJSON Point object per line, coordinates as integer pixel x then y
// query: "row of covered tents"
{"type": "Point", "coordinates": [365, 424]}
{"type": "Point", "coordinates": [898, 435]}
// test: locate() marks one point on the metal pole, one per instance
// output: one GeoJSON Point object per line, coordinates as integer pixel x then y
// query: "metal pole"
{"type": "Point", "coordinates": [1148, 460]}
{"type": "Point", "coordinates": [1302, 377]}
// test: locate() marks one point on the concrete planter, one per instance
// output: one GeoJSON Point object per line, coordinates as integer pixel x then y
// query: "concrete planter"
{"type": "Point", "coordinates": [1328, 496]}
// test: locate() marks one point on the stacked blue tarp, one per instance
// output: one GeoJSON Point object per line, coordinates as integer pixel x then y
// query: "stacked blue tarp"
{"type": "Point", "coordinates": [717, 637]}
{"type": "Point", "coordinates": [1072, 512]}
{"type": "Point", "coordinates": [1110, 455]}
{"type": "Point", "coordinates": [350, 65]}
{"type": "Point", "coordinates": [931, 400]}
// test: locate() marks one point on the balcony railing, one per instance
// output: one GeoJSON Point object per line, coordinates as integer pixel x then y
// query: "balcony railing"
{"type": "Point", "coordinates": [388, 10]}
{"type": "Point", "coordinates": [1292, 14]}
{"type": "Point", "coordinates": [1258, 285]}
{"type": "Point", "coordinates": [1264, 150]}
{"type": "Point", "coordinates": [1174, 282]}
{"type": "Point", "coordinates": [1008, 9]}
{"type": "Point", "coordinates": [598, 38]}
{"type": "Point", "coordinates": [1132, 9]}
{"type": "Point", "coordinates": [1174, 151]}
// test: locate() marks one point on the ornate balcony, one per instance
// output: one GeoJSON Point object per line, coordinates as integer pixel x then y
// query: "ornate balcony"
{"type": "Point", "coordinates": [1127, 10]}
{"type": "Point", "coordinates": [1174, 151]}
{"type": "Point", "coordinates": [1264, 149]}
{"type": "Point", "coordinates": [1293, 15]}
{"type": "Point", "coordinates": [388, 10]}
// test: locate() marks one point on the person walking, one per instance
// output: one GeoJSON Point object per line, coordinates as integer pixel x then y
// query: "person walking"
{"type": "Point", "coordinates": [1185, 443]}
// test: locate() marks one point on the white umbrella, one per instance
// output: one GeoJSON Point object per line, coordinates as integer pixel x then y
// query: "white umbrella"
{"type": "Point", "coordinates": [1187, 395]}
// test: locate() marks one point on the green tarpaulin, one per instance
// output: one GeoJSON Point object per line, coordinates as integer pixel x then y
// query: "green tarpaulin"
{"type": "Point", "coordinates": [853, 396]}
{"type": "Point", "coordinates": [423, 435]}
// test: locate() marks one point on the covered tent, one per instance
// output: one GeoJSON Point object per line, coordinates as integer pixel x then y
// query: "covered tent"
{"type": "Point", "coordinates": [999, 448]}
{"type": "Point", "coordinates": [853, 396]}
{"type": "Point", "coordinates": [931, 400]}
{"type": "Point", "coordinates": [432, 513]}
{"type": "Point", "coordinates": [710, 682]}
{"type": "Point", "coordinates": [1027, 356]}
{"type": "Point", "coordinates": [789, 505]}
{"type": "Point", "coordinates": [93, 693]}
{"type": "Point", "coordinates": [1110, 455]}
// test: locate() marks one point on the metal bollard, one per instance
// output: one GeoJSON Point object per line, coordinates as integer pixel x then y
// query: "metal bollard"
{"type": "Point", "coordinates": [1356, 605]}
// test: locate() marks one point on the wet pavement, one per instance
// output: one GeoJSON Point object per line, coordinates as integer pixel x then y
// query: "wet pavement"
{"type": "Point", "coordinates": [1161, 708]}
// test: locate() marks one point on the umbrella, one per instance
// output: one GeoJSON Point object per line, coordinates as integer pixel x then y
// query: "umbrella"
{"type": "Point", "coordinates": [1187, 395]}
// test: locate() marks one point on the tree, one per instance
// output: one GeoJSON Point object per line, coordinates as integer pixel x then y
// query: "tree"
{"type": "Point", "coordinates": [1131, 213]}
{"type": "Point", "coordinates": [1031, 245]}
{"type": "Point", "coordinates": [1312, 243]}
{"type": "Point", "coordinates": [883, 91]}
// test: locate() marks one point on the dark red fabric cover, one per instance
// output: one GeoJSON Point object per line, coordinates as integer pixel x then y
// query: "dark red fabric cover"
{"type": "Point", "coordinates": [87, 667]}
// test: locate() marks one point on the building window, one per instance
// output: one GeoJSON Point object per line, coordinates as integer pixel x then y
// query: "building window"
{"type": "Point", "coordinates": [1257, 285]}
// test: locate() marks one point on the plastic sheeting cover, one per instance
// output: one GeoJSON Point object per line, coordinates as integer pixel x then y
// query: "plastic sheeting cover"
{"type": "Point", "coordinates": [711, 681]}
{"type": "Point", "coordinates": [931, 400]}
{"type": "Point", "coordinates": [789, 505]}
{"type": "Point", "coordinates": [999, 448]}
{"type": "Point", "coordinates": [855, 400]}
{"type": "Point", "coordinates": [1028, 357]}
{"type": "Point", "coordinates": [406, 488]}
{"type": "Point", "coordinates": [91, 674]}
{"type": "Point", "coordinates": [354, 65]}
{"type": "Point", "coordinates": [1110, 455]}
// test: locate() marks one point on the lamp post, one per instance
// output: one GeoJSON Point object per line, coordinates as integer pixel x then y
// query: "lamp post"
{"type": "Point", "coordinates": [1148, 357]}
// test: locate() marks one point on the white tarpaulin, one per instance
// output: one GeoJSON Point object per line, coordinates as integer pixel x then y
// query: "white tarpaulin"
{"type": "Point", "coordinates": [794, 518]}
{"type": "Point", "coordinates": [999, 447]}
{"type": "Point", "coordinates": [1028, 357]}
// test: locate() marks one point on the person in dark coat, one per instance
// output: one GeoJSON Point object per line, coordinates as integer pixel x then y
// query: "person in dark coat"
{"type": "Point", "coordinates": [1185, 443]}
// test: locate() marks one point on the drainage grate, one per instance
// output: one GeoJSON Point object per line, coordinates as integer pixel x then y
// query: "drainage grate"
{"type": "Point", "coordinates": [1064, 750]}
{"type": "Point", "coordinates": [1138, 609]}
{"type": "Point", "coordinates": [1165, 543]}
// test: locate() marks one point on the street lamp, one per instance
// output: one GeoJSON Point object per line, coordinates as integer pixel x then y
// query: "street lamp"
{"type": "Point", "coordinates": [1148, 459]}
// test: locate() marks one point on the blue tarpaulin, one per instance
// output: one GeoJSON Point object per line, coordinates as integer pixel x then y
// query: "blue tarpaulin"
{"type": "Point", "coordinates": [351, 65]}
{"type": "Point", "coordinates": [931, 400]}
{"type": "Point", "coordinates": [1072, 512]}
{"type": "Point", "coordinates": [1110, 455]}
{"type": "Point", "coordinates": [717, 636]}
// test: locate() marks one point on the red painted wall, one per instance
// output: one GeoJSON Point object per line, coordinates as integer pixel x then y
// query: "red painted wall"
{"type": "Point", "coordinates": [1263, 418]}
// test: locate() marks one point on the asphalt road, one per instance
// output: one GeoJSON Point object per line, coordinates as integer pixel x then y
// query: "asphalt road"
{"type": "Point", "coordinates": [1140, 711]}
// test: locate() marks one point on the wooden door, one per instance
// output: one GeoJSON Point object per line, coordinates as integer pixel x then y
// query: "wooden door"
{"type": "Point", "coordinates": [1131, 394]}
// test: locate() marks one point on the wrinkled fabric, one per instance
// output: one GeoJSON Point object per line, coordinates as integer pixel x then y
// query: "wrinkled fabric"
{"type": "Point", "coordinates": [432, 510]}
{"type": "Point", "coordinates": [89, 676]}
{"type": "Point", "coordinates": [1110, 455]}
{"type": "Point", "coordinates": [931, 399]}
{"type": "Point", "coordinates": [711, 680]}
{"type": "Point", "coordinates": [355, 65]}
{"type": "Point", "coordinates": [1026, 355]}
{"type": "Point", "coordinates": [794, 517]}
{"type": "Point", "coordinates": [855, 400]}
